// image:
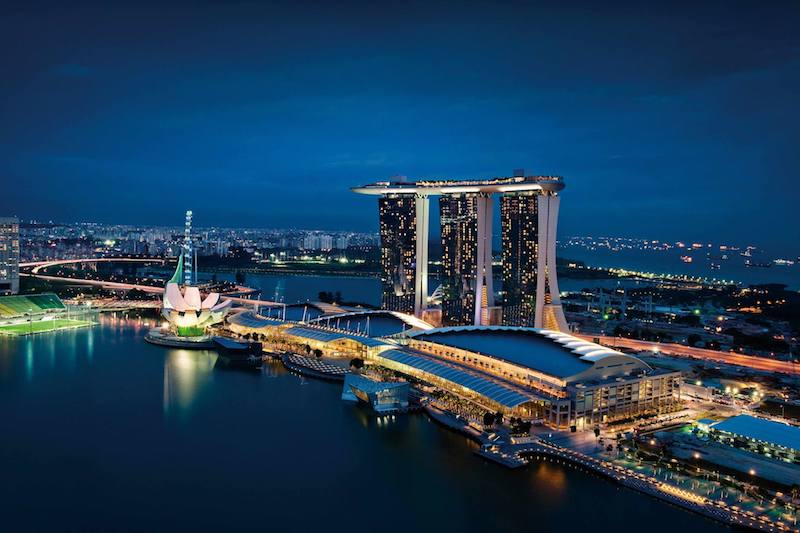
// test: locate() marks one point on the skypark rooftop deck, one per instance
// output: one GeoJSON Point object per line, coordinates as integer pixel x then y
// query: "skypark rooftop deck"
{"type": "Point", "coordinates": [445, 186]}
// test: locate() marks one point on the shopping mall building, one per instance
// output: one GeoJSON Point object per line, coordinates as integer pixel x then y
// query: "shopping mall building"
{"type": "Point", "coordinates": [529, 372]}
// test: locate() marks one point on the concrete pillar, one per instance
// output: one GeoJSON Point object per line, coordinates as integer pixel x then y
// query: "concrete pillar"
{"type": "Point", "coordinates": [549, 312]}
{"type": "Point", "coordinates": [422, 205]}
{"type": "Point", "coordinates": [483, 274]}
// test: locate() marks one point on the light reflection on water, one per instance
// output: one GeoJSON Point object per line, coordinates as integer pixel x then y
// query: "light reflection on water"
{"type": "Point", "coordinates": [124, 461]}
{"type": "Point", "coordinates": [186, 373]}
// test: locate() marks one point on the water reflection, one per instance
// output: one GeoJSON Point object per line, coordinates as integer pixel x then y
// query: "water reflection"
{"type": "Point", "coordinates": [186, 373]}
{"type": "Point", "coordinates": [554, 477]}
{"type": "Point", "coordinates": [29, 359]}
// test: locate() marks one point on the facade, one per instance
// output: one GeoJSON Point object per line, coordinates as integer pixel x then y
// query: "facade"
{"type": "Point", "coordinates": [9, 255]}
{"type": "Point", "coordinates": [398, 226]}
{"type": "Point", "coordinates": [187, 312]}
{"type": "Point", "coordinates": [533, 373]}
{"type": "Point", "coordinates": [519, 220]}
{"type": "Point", "coordinates": [530, 218]}
{"type": "Point", "coordinates": [458, 215]}
{"type": "Point", "coordinates": [382, 396]}
{"type": "Point", "coordinates": [569, 382]}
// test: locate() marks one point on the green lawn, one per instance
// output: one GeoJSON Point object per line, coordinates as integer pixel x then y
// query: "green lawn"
{"type": "Point", "coordinates": [42, 326]}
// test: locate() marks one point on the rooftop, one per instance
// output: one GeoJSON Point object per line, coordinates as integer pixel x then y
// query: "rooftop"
{"type": "Point", "coordinates": [502, 394]}
{"type": "Point", "coordinates": [324, 335]}
{"type": "Point", "coordinates": [251, 320]}
{"type": "Point", "coordinates": [762, 429]}
{"type": "Point", "coordinates": [368, 385]}
{"type": "Point", "coordinates": [557, 354]}
{"type": "Point", "coordinates": [526, 348]}
{"type": "Point", "coordinates": [449, 186]}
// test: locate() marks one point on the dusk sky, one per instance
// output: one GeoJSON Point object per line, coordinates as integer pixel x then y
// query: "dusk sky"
{"type": "Point", "coordinates": [665, 122]}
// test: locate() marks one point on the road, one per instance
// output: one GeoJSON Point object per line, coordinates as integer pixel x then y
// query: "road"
{"type": "Point", "coordinates": [37, 266]}
{"type": "Point", "coordinates": [749, 361]}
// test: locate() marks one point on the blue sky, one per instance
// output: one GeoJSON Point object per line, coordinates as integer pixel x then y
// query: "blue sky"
{"type": "Point", "coordinates": [667, 120]}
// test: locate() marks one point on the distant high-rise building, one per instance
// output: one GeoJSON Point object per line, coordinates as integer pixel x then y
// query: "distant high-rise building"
{"type": "Point", "coordinates": [311, 242]}
{"type": "Point", "coordinates": [342, 242]}
{"type": "Point", "coordinates": [458, 216]}
{"type": "Point", "coordinates": [398, 230]}
{"type": "Point", "coordinates": [325, 242]}
{"type": "Point", "coordinates": [9, 255]}
{"type": "Point", "coordinates": [519, 221]}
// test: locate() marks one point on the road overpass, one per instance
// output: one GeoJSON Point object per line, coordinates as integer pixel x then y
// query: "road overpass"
{"type": "Point", "coordinates": [753, 362]}
{"type": "Point", "coordinates": [37, 266]}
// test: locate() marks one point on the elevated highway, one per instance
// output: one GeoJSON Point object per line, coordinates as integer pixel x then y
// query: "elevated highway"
{"type": "Point", "coordinates": [237, 295]}
{"type": "Point", "coordinates": [762, 364]}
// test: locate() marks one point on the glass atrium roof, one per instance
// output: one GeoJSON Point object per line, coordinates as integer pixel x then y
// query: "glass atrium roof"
{"type": "Point", "coordinates": [251, 320]}
{"type": "Point", "coordinates": [504, 395]}
{"type": "Point", "coordinates": [330, 336]}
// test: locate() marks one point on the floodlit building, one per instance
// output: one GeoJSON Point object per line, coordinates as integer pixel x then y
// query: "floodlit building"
{"type": "Point", "coordinates": [382, 396]}
{"type": "Point", "coordinates": [458, 216]}
{"type": "Point", "coordinates": [777, 440]}
{"type": "Point", "coordinates": [564, 380]}
{"type": "Point", "coordinates": [533, 373]}
{"type": "Point", "coordinates": [398, 231]}
{"type": "Point", "coordinates": [9, 255]}
{"type": "Point", "coordinates": [186, 310]}
{"type": "Point", "coordinates": [530, 218]}
{"type": "Point", "coordinates": [519, 220]}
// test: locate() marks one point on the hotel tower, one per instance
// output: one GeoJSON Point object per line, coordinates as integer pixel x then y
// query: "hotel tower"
{"type": "Point", "coordinates": [529, 216]}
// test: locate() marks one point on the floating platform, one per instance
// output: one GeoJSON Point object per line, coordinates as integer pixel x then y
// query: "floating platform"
{"type": "Point", "coordinates": [161, 338]}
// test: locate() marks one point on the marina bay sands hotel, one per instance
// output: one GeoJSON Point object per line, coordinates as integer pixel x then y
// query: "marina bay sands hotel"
{"type": "Point", "coordinates": [529, 216]}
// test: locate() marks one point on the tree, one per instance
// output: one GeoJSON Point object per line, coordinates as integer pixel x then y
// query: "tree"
{"type": "Point", "coordinates": [488, 419]}
{"type": "Point", "coordinates": [318, 352]}
{"type": "Point", "coordinates": [498, 417]}
{"type": "Point", "coordinates": [307, 349]}
{"type": "Point", "coordinates": [357, 363]}
{"type": "Point", "coordinates": [597, 432]}
{"type": "Point", "coordinates": [693, 339]}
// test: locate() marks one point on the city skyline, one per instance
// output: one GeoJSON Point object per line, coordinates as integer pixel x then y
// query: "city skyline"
{"type": "Point", "coordinates": [292, 102]}
{"type": "Point", "coordinates": [534, 263]}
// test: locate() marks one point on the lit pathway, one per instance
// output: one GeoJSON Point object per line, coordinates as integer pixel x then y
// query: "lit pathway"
{"type": "Point", "coordinates": [519, 454]}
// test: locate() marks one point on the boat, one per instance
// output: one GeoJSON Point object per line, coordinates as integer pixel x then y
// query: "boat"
{"type": "Point", "coordinates": [749, 263]}
{"type": "Point", "coordinates": [714, 266]}
{"type": "Point", "coordinates": [783, 262]}
{"type": "Point", "coordinates": [686, 258]}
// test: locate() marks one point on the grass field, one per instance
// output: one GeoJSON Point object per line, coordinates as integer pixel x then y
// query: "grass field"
{"type": "Point", "coordinates": [43, 326]}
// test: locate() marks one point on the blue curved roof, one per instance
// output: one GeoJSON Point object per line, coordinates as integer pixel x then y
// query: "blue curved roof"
{"type": "Point", "coordinates": [505, 396]}
{"type": "Point", "coordinates": [251, 320]}
{"type": "Point", "coordinates": [527, 348]}
{"type": "Point", "coordinates": [762, 429]}
{"type": "Point", "coordinates": [330, 336]}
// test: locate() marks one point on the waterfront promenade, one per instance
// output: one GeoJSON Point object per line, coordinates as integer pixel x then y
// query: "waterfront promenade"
{"type": "Point", "coordinates": [515, 455]}
{"type": "Point", "coordinates": [520, 452]}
